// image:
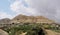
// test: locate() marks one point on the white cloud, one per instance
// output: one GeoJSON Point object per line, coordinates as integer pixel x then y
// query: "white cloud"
{"type": "Point", "coordinates": [19, 8]}
{"type": "Point", "coordinates": [15, 6]}
{"type": "Point", "coordinates": [4, 15]}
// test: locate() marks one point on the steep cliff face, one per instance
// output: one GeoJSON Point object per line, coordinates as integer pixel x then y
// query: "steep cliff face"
{"type": "Point", "coordinates": [31, 19]}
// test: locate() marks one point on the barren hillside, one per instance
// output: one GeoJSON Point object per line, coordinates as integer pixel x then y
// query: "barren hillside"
{"type": "Point", "coordinates": [5, 20]}
{"type": "Point", "coordinates": [31, 19]}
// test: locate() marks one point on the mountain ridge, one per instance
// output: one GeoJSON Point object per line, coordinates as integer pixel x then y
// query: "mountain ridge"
{"type": "Point", "coordinates": [31, 19]}
{"type": "Point", "coordinates": [27, 19]}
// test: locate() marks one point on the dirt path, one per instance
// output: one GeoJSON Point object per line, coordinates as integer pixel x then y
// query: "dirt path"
{"type": "Point", "coordinates": [49, 32]}
{"type": "Point", "coordinates": [24, 33]}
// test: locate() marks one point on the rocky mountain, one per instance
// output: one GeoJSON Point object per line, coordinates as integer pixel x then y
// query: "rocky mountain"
{"type": "Point", "coordinates": [31, 19]}
{"type": "Point", "coordinates": [5, 20]}
{"type": "Point", "coordinates": [27, 19]}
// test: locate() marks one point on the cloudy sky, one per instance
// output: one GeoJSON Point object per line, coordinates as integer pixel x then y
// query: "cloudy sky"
{"type": "Point", "coordinates": [47, 8]}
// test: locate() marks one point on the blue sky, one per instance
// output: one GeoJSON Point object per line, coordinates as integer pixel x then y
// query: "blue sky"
{"type": "Point", "coordinates": [5, 8]}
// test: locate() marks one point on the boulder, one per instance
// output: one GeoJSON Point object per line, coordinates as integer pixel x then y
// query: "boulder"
{"type": "Point", "coordinates": [2, 32]}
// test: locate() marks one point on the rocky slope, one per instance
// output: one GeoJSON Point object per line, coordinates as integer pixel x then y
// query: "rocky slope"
{"type": "Point", "coordinates": [5, 21]}
{"type": "Point", "coordinates": [27, 19]}
{"type": "Point", "coordinates": [31, 19]}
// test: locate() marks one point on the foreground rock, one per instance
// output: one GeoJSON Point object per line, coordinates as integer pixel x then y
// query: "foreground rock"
{"type": "Point", "coordinates": [3, 32]}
